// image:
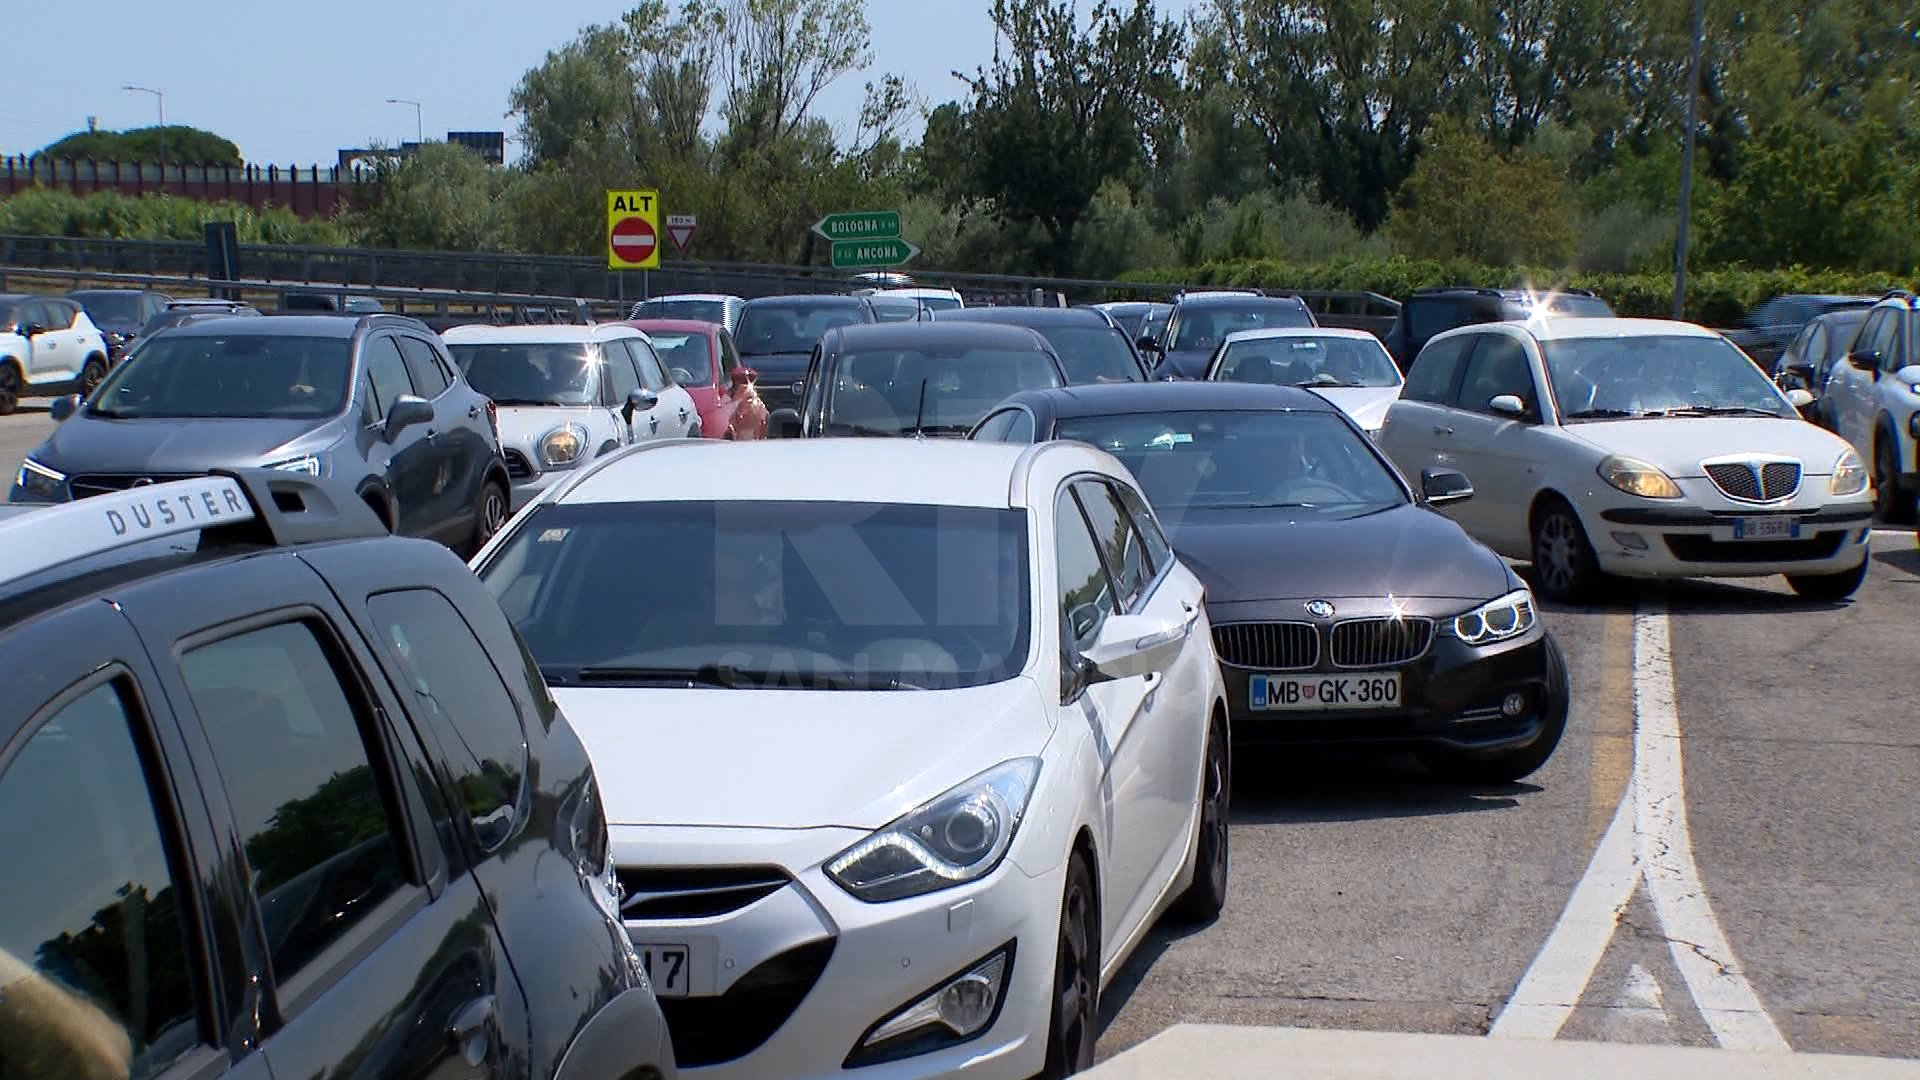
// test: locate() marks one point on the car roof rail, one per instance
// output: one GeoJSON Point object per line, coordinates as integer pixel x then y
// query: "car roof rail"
{"type": "Point", "coordinates": [1899, 294]}
{"type": "Point", "coordinates": [271, 507]}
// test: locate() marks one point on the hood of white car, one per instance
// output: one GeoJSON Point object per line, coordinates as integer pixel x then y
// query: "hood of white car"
{"type": "Point", "coordinates": [1677, 444]}
{"type": "Point", "coordinates": [795, 758]}
{"type": "Point", "coordinates": [1367, 405]}
{"type": "Point", "coordinates": [525, 425]}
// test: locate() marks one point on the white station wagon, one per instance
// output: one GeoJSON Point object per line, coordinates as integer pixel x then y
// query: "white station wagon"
{"type": "Point", "coordinates": [1637, 447]}
{"type": "Point", "coordinates": [903, 752]}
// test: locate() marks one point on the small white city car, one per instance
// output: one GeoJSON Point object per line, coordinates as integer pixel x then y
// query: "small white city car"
{"type": "Point", "coordinates": [1637, 447]}
{"type": "Point", "coordinates": [903, 752]}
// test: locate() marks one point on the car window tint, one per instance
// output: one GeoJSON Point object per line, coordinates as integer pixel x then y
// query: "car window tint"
{"type": "Point", "coordinates": [995, 428]}
{"type": "Point", "coordinates": [622, 378]}
{"type": "Point", "coordinates": [94, 971]}
{"type": "Point", "coordinates": [1086, 596]}
{"type": "Point", "coordinates": [1159, 551]}
{"type": "Point", "coordinates": [1436, 370]}
{"type": "Point", "coordinates": [1120, 545]}
{"type": "Point", "coordinates": [1498, 366]}
{"type": "Point", "coordinates": [652, 374]}
{"type": "Point", "coordinates": [456, 687]}
{"type": "Point", "coordinates": [728, 358]}
{"type": "Point", "coordinates": [387, 371]}
{"type": "Point", "coordinates": [429, 378]}
{"type": "Point", "coordinates": [292, 751]}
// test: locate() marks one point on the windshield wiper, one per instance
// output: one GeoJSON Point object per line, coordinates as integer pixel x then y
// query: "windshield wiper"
{"type": "Point", "coordinates": [521, 401]}
{"type": "Point", "coordinates": [1606, 414]}
{"type": "Point", "coordinates": [1329, 383]}
{"type": "Point", "coordinates": [724, 676]}
{"type": "Point", "coordinates": [1712, 410]}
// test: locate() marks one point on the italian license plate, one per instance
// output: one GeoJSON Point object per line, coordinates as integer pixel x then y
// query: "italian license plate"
{"type": "Point", "coordinates": [1320, 693]}
{"type": "Point", "coordinates": [1777, 527]}
{"type": "Point", "coordinates": [666, 967]}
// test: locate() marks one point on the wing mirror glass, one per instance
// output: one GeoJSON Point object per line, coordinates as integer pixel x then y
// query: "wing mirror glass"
{"type": "Point", "coordinates": [407, 410]}
{"type": "Point", "coordinates": [1442, 486]}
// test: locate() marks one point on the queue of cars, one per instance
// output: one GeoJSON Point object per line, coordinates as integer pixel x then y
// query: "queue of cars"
{"type": "Point", "coordinates": [897, 751]}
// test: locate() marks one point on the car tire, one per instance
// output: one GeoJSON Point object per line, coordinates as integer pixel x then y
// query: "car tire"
{"type": "Point", "coordinates": [10, 387]}
{"type": "Point", "coordinates": [1508, 766]}
{"type": "Point", "coordinates": [1564, 566]}
{"type": "Point", "coordinates": [490, 511]}
{"type": "Point", "coordinates": [1206, 897]}
{"type": "Point", "coordinates": [92, 375]}
{"type": "Point", "coordinates": [1830, 588]}
{"type": "Point", "coordinates": [1891, 505]}
{"type": "Point", "coordinates": [1074, 1022]}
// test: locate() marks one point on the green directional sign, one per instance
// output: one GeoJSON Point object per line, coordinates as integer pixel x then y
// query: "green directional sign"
{"type": "Point", "coordinates": [860, 225]}
{"type": "Point", "coordinates": [858, 254]}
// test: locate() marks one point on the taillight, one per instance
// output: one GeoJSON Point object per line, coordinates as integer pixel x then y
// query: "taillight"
{"type": "Point", "coordinates": [493, 418]}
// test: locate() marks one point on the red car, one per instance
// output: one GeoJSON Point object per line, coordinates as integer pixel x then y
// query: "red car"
{"type": "Point", "coordinates": [702, 359]}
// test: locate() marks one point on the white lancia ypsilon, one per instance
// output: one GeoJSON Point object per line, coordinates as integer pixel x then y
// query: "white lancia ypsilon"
{"type": "Point", "coordinates": [1637, 447]}
{"type": "Point", "coordinates": [902, 752]}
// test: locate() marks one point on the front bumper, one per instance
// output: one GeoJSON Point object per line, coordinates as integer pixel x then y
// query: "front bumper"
{"type": "Point", "coordinates": [1694, 536]}
{"type": "Point", "coordinates": [1452, 695]}
{"type": "Point", "coordinates": [787, 983]}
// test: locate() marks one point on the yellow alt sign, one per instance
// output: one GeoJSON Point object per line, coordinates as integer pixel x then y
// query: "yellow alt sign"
{"type": "Point", "coordinates": [633, 230]}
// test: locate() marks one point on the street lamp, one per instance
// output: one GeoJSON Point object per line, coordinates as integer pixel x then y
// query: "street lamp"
{"type": "Point", "coordinates": [161, 100]}
{"type": "Point", "coordinates": [1686, 159]}
{"type": "Point", "coordinates": [419, 130]}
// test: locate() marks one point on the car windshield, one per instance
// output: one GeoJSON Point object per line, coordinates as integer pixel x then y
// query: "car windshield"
{"type": "Point", "coordinates": [1204, 326]}
{"type": "Point", "coordinates": [117, 308]}
{"type": "Point", "coordinates": [530, 373]}
{"type": "Point", "coordinates": [1661, 375]}
{"type": "Point", "coordinates": [712, 311]}
{"type": "Point", "coordinates": [242, 375]}
{"type": "Point", "coordinates": [934, 391]}
{"type": "Point", "coordinates": [1154, 326]}
{"type": "Point", "coordinates": [1308, 361]}
{"type": "Point", "coordinates": [1093, 354]}
{"type": "Point", "coordinates": [831, 595]}
{"type": "Point", "coordinates": [689, 356]}
{"type": "Point", "coordinates": [1309, 462]}
{"type": "Point", "coordinates": [790, 328]}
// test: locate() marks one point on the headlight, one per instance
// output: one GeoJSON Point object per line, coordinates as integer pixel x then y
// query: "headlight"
{"type": "Point", "coordinates": [956, 838]}
{"type": "Point", "coordinates": [42, 481]}
{"type": "Point", "coordinates": [1849, 475]}
{"type": "Point", "coordinates": [306, 463]}
{"type": "Point", "coordinates": [563, 445]}
{"type": "Point", "coordinates": [1638, 478]}
{"type": "Point", "coordinates": [1497, 620]}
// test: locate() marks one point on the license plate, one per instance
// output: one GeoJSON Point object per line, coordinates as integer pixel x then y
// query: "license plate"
{"type": "Point", "coordinates": [666, 968]}
{"type": "Point", "coordinates": [1320, 693]}
{"type": "Point", "coordinates": [1766, 528]}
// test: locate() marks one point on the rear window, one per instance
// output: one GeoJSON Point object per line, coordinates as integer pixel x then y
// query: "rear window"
{"type": "Point", "coordinates": [791, 328]}
{"type": "Point", "coordinates": [932, 391]}
{"type": "Point", "coordinates": [1203, 326]}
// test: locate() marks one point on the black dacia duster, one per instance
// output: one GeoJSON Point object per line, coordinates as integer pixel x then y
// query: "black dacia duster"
{"type": "Point", "coordinates": [286, 797]}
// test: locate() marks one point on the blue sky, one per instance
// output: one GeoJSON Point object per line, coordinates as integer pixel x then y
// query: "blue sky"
{"type": "Point", "coordinates": [292, 84]}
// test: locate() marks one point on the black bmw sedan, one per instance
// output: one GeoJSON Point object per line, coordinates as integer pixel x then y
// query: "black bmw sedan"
{"type": "Point", "coordinates": [1345, 610]}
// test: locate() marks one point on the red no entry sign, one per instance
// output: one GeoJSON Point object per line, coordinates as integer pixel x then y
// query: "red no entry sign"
{"type": "Point", "coordinates": [634, 239]}
{"type": "Point", "coordinates": [633, 230]}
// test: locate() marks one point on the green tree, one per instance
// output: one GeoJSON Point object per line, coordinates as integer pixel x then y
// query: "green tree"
{"type": "Point", "coordinates": [1467, 199]}
{"type": "Point", "coordinates": [181, 146]}
{"type": "Point", "coordinates": [441, 198]}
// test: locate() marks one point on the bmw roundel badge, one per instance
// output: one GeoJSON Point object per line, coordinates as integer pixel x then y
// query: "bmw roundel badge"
{"type": "Point", "coordinates": [1320, 609]}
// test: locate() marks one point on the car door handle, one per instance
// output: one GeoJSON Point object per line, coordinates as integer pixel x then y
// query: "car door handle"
{"type": "Point", "coordinates": [1442, 429]}
{"type": "Point", "coordinates": [473, 412]}
{"type": "Point", "coordinates": [432, 435]}
{"type": "Point", "coordinates": [471, 1029]}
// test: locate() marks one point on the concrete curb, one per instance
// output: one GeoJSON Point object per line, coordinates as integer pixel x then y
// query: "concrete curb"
{"type": "Point", "coordinates": [1218, 1052]}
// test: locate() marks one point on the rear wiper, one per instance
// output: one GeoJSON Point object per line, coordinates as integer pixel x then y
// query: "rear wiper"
{"type": "Point", "coordinates": [724, 676]}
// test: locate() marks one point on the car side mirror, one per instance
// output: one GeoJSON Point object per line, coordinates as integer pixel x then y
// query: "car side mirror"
{"type": "Point", "coordinates": [31, 329]}
{"type": "Point", "coordinates": [1509, 405]}
{"type": "Point", "coordinates": [62, 407]}
{"type": "Point", "coordinates": [1799, 397]}
{"type": "Point", "coordinates": [1130, 645]}
{"type": "Point", "coordinates": [1438, 487]}
{"type": "Point", "coordinates": [1865, 359]}
{"type": "Point", "coordinates": [406, 411]}
{"type": "Point", "coordinates": [639, 400]}
{"type": "Point", "coordinates": [744, 376]}
{"type": "Point", "coordinates": [1146, 344]}
{"type": "Point", "coordinates": [783, 424]}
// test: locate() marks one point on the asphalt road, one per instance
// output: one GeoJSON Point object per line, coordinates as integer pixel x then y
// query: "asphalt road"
{"type": "Point", "coordinates": [1766, 865]}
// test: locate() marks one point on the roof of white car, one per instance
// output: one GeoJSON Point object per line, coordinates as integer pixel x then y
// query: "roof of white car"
{"type": "Point", "coordinates": [1557, 328]}
{"type": "Point", "coordinates": [917, 291]}
{"type": "Point", "coordinates": [942, 472]}
{"type": "Point", "coordinates": [533, 333]}
{"type": "Point", "coordinates": [691, 296]}
{"type": "Point", "coordinates": [1268, 333]}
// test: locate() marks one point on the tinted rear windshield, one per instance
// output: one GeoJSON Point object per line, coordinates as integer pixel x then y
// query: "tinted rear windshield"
{"type": "Point", "coordinates": [791, 328]}
{"type": "Point", "coordinates": [1206, 325]}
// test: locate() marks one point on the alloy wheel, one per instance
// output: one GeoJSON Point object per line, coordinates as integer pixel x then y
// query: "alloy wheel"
{"type": "Point", "coordinates": [1076, 978]}
{"type": "Point", "coordinates": [1554, 552]}
{"type": "Point", "coordinates": [1214, 811]}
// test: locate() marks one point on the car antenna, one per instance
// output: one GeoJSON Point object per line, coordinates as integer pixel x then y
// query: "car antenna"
{"type": "Point", "coordinates": [920, 414]}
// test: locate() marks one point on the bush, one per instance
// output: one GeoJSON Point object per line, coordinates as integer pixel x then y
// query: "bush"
{"type": "Point", "coordinates": [111, 214]}
{"type": "Point", "coordinates": [1715, 297]}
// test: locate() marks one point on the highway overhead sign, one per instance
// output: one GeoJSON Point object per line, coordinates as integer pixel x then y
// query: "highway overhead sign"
{"type": "Point", "coordinates": [680, 227]}
{"type": "Point", "coordinates": [857, 254]}
{"type": "Point", "coordinates": [633, 230]}
{"type": "Point", "coordinates": [859, 225]}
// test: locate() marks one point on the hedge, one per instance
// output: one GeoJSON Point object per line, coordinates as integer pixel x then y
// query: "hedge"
{"type": "Point", "coordinates": [113, 214]}
{"type": "Point", "coordinates": [1715, 297]}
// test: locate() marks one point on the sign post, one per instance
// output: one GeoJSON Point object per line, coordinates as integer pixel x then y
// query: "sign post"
{"type": "Point", "coordinates": [633, 230]}
{"type": "Point", "coordinates": [680, 227]}
{"type": "Point", "coordinates": [865, 239]}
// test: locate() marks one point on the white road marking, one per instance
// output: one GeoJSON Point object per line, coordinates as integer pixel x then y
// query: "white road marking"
{"type": "Point", "coordinates": [1649, 840]}
{"type": "Point", "coordinates": [1699, 946]}
{"type": "Point", "coordinates": [1890, 534]}
{"type": "Point", "coordinates": [1640, 999]}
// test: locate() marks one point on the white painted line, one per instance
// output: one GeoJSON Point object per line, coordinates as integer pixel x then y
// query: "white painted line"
{"type": "Point", "coordinates": [1558, 976]}
{"type": "Point", "coordinates": [1699, 946]}
{"type": "Point", "coordinates": [1893, 534]}
{"type": "Point", "coordinates": [1640, 1000]}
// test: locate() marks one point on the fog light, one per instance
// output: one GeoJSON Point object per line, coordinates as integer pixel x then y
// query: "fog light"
{"type": "Point", "coordinates": [1514, 705]}
{"type": "Point", "coordinates": [1630, 541]}
{"type": "Point", "coordinates": [953, 1012]}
